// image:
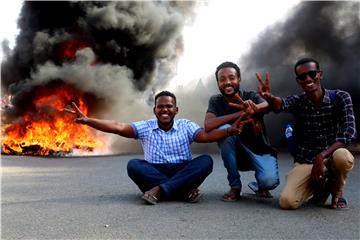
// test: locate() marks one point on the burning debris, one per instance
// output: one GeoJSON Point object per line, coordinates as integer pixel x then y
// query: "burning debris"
{"type": "Point", "coordinates": [45, 128]}
{"type": "Point", "coordinates": [101, 55]}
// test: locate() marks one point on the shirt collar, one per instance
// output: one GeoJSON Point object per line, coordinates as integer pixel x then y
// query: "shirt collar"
{"type": "Point", "coordinates": [175, 126]}
{"type": "Point", "coordinates": [326, 98]}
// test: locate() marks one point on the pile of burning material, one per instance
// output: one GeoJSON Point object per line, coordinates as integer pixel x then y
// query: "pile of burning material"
{"type": "Point", "coordinates": [46, 129]}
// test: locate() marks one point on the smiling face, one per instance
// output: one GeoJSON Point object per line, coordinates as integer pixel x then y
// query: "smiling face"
{"type": "Point", "coordinates": [309, 77]}
{"type": "Point", "coordinates": [228, 81]}
{"type": "Point", "coordinates": [165, 110]}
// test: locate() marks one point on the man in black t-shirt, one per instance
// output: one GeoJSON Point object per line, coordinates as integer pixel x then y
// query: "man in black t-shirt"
{"type": "Point", "coordinates": [250, 150]}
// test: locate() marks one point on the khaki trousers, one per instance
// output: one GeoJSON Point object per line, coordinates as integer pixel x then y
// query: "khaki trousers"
{"type": "Point", "coordinates": [298, 187]}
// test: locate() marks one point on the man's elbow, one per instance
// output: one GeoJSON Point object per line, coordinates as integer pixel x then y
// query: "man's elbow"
{"type": "Point", "coordinates": [207, 126]}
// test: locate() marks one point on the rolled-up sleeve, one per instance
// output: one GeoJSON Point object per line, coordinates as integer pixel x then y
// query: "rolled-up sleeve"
{"type": "Point", "coordinates": [347, 129]}
{"type": "Point", "coordinates": [290, 103]}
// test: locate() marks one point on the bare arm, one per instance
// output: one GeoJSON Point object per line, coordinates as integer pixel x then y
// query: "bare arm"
{"type": "Point", "coordinates": [212, 121]}
{"type": "Point", "coordinates": [275, 103]}
{"type": "Point", "coordinates": [110, 126]}
{"type": "Point", "coordinates": [317, 171]}
{"type": "Point", "coordinates": [218, 134]}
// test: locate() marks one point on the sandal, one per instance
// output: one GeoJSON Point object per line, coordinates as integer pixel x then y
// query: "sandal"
{"type": "Point", "coordinates": [259, 193]}
{"type": "Point", "coordinates": [231, 196]}
{"type": "Point", "coordinates": [194, 196]}
{"type": "Point", "coordinates": [151, 199]}
{"type": "Point", "coordinates": [152, 195]}
{"type": "Point", "coordinates": [339, 203]}
{"type": "Point", "coordinates": [263, 194]}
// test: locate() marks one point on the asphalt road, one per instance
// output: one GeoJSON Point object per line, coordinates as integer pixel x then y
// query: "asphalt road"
{"type": "Point", "coordinates": [93, 198]}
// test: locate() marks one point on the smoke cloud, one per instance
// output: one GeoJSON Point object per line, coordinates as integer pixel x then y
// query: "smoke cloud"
{"type": "Point", "coordinates": [326, 31]}
{"type": "Point", "coordinates": [115, 52]}
{"type": "Point", "coordinates": [121, 53]}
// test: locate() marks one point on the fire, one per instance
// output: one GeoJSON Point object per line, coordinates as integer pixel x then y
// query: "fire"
{"type": "Point", "coordinates": [47, 129]}
{"type": "Point", "coordinates": [67, 50]}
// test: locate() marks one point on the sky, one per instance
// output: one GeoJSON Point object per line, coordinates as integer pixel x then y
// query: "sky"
{"type": "Point", "coordinates": [214, 34]}
{"type": "Point", "coordinates": [210, 34]}
{"type": "Point", "coordinates": [9, 11]}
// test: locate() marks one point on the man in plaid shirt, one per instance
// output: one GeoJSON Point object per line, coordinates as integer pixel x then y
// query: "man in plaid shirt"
{"type": "Point", "coordinates": [168, 170]}
{"type": "Point", "coordinates": [325, 125]}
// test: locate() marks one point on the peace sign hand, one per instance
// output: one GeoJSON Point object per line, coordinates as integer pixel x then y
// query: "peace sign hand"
{"type": "Point", "coordinates": [264, 86]}
{"type": "Point", "coordinates": [80, 116]}
{"type": "Point", "coordinates": [248, 106]}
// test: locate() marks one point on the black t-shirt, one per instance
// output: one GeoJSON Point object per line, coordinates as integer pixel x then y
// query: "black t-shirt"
{"type": "Point", "coordinates": [256, 143]}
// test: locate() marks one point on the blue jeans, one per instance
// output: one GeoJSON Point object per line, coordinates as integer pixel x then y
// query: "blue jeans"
{"type": "Point", "coordinates": [264, 165]}
{"type": "Point", "coordinates": [174, 179]}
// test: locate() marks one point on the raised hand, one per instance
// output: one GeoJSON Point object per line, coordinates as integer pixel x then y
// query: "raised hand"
{"type": "Point", "coordinates": [80, 116]}
{"type": "Point", "coordinates": [264, 86]}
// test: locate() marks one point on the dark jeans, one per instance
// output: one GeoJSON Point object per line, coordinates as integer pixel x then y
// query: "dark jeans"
{"type": "Point", "coordinates": [173, 178]}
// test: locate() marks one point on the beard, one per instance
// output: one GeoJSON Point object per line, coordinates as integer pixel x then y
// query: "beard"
{"type": "Point", "coordinates": [223, 92]}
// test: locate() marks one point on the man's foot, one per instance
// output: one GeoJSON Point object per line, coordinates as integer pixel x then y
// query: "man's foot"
{"type": "Point", "coordinates": [260, 193]}
{"type": "Point", "coordinates": [152, 196]}
{"type": "Point", "coordinates": [194, 196]}
{"type": "Point", "coordinates": [231, 196]}
{"type": "Point", "coordinates": [338, 203]}
{"type": "Point", "coordinates": [263, 194]}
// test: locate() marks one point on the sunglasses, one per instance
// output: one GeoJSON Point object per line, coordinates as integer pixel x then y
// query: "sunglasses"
{"type": "Point", "coordinates": [311, 74]}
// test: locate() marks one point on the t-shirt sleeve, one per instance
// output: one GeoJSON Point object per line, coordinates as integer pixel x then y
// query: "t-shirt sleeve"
{"type": "Point", "coordinates": [256, 98]}
{"type": "Point", "coordinates": [212, 106]}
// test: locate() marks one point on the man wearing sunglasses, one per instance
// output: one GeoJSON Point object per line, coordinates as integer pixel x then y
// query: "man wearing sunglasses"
{"type": "Point", "coordinates": [325, 125]}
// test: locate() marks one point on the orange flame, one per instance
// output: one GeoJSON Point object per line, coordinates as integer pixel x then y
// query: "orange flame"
{"type": "Point", "coordinates": [67, 50]}
{"type": "Point", "coordinates": [48, 129]}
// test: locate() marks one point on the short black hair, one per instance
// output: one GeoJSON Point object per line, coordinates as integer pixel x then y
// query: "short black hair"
{"type": "Point", "coordinates": [306, 60]}
{"type": "Point", "coordinates": [165, 93]}
{"type": "Point", "coordinates": [227, 65]}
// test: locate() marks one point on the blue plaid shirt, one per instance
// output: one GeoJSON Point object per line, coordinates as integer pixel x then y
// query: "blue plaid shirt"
{"type": "Point", "coordinates": [316, 128]}
{"type": "Point", "coordinates": [162, 147]}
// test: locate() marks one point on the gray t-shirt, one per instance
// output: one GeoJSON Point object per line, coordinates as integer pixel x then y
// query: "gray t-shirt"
{"type": "Point", "coordinates": [258, 144]}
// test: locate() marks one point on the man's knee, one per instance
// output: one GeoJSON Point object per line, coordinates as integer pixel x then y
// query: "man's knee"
{"type": "Point", "coordinates": [133, 166]}
{"type": "Point", "coordinates": [269, 181]}
{"type": "Point", "coordinates": [268, 178]}
{"type": "Point", "coordinates": [206, 163]}
{"type": "Point", "coordinates": [342, 160]}
{"type": "Point", "coordinates": [288, 202]}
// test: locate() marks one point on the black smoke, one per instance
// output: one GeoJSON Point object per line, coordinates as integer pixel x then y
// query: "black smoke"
{"type": "Point", "coordinates": [143, 37]}
{"type": "Point", "coordinates": [326, 31]}
{"type": "Point", "coordinates": [113, 52]}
